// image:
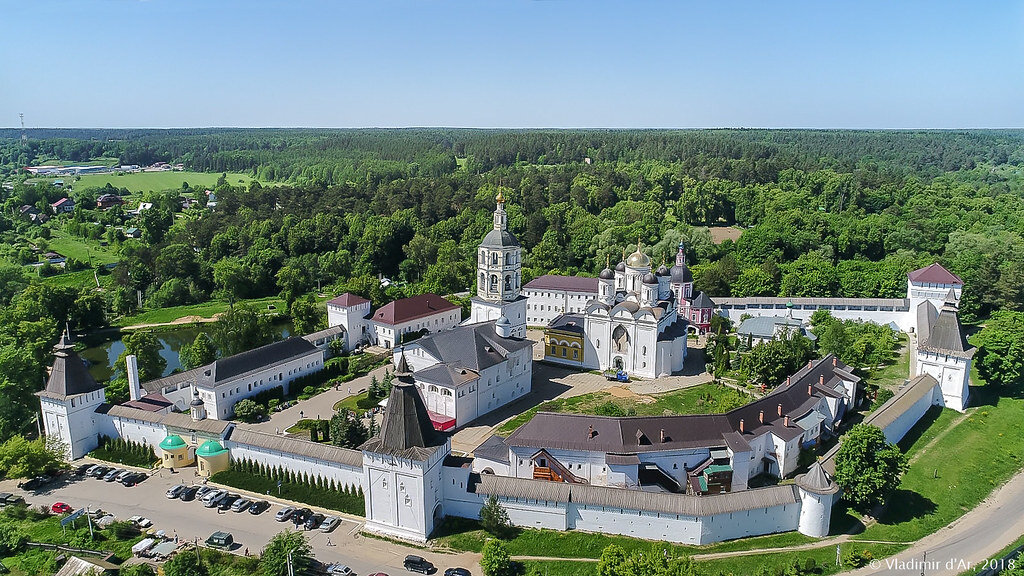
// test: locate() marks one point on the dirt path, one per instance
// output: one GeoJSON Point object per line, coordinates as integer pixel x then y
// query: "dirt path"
{"type": "Point", "coordinates": [182, 320]}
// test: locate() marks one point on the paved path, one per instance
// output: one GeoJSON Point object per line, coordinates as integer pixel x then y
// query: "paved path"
{"type": "Point", "coordinates": [321, 405]}
{"type": "Point", "coordinates": [976, 536]}
{"type": "Point", "coordinates": [190, 520]}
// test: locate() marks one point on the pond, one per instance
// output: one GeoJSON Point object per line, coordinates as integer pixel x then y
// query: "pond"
{"type": "Point", "coordinates": [104, 349]}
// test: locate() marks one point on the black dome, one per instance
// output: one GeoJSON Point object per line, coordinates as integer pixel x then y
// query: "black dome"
{"type": "Point", "coordinates": [650, 278]}
{"type": "Point", "coordinates": [681, 274]}
{"type": "Point", "coordinates": [620, 267]}
{"type": "Point", "coordinates": [607, 274]}
{"type": "Point", "coordinates": [662, 270]}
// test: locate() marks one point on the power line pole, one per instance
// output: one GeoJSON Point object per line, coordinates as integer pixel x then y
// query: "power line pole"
{"type": "Point", "coordinates": [24, 138]}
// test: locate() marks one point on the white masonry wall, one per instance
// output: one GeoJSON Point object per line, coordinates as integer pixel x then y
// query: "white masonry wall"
{"type": "Point", "coordinates": [343, 475]}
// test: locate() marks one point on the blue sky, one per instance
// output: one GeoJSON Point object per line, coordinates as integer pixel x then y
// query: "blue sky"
{"type": "Point", "coordinates": [517, 63]}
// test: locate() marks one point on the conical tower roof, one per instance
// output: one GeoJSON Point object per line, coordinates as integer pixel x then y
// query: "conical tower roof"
{"type": "Point", "coordinates": [406, 431]}
{"type": "Point", "coordinates": [68, 377]}
{"type": "Point", "coordinates": [817, 481]}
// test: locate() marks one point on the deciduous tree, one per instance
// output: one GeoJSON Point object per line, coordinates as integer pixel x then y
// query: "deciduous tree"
{"type": "Point", "coordinates": [868, 467]}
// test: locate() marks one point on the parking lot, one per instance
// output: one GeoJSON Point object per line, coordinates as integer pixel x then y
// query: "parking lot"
{"type": "Point", "coordinates": [192, 521]}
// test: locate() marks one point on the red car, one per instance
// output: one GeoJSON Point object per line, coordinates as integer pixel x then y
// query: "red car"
{"type": "Point", "coordinates": [60, 508]}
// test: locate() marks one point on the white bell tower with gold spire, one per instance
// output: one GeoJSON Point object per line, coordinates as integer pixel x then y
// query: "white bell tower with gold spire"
{"type": "Point", "coordinates": [499, 276]}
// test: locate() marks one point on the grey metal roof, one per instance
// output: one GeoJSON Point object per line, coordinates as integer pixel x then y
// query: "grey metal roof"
{"type": "Point", "coordinates": [447, 375]}
{"type": "Point", "coordinates": [681, 274]}
{"type": "Point", "coordinates": [815, 480]}
{"type": "Point", "coordinates": [499, 239]}
{"type": "Point", "coordinates": [472, 346]}
{"type": "Point", "coordinates": [904, 398]}
{"type": "Point", "coordinates": [674, 330]}
{"type": "Point", "coordinates": [185, 422]}
{"type": "Point", "coordinates": [702, 301]}
{"type": "Point", "coordinates": [177, 379]}
{"type": "Point", "coordinates": [297, 446]}
{"type": "Point", "coordinates": [262, 357]}
{"type": "Point", "coordinates": [119, 411]}
{"type": "Point", "coordinates": [668, 503]}
{"type": "Point", "coordinates": [622, 459]}
{"type": "Point", "coordinates": [406, 431]}
{"type": "Point", "coordinates": [567, 323]}
{"type": "Point", "coordinates": [618, 435]}
{"type": "Point", "coordinates": [69, 376]}
{"type": "Point", "coordinates": [764, 326]}
{"type": "Point", "coordinates": [325, 333]}
{"type": "Point", "coordinates": [493, 449]}
{"type": "Point", "coordinates": [780, 303]}
{"type": "Point", "coordinates": [942, 332]}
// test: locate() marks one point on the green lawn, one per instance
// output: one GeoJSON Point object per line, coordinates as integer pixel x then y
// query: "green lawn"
{"type": "Point", "coordinates": [893, 375]}
{"type": "Point", "coordinates": [962, 467]}
{"type": "Point", "coordinates": [703, 399]}
{"type": "Point", "coordinates": [202, 310]}
{"type": "Point", "coordinates": [460, 534]}
{"type": "Point", "coordinates": [155, 181]}
{"type": "Point", "coordinates": [82, 279]}
{"type": "Point", "coordinates": [82, 249]}
{"type": "Point", "coordinates": [46, 528]}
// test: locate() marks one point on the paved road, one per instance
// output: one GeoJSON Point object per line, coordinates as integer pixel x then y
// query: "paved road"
{"type": "Point", "coordinates": [976, 536]}
{"type": "Point", "coordinates": [191, 520]}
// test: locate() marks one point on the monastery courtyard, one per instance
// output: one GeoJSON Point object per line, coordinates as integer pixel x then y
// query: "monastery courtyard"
{"type": "Point", "coordinates": [549, 382]}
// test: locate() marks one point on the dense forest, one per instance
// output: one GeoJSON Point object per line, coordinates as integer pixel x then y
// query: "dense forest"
{"type": "Point", "coordinates": [809, 213]}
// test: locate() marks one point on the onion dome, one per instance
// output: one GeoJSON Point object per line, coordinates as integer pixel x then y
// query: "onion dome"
{"type": "Point", "coordinates": [638, 259]}
{"type": "Point", "coordinates": [195, 399]}
{"type": "Point", "coordinates": [650, 279]}
{"type": "Point", "coordinates": [607, 274]}
{"type": "Point", "coordinates": [662, 270]}
{"type": "Point", "coordinates": [620, 267]}
{"type": "Point", "coordinates": [500, 198]}
{"type": "Point", "coordinates": [681, 274]}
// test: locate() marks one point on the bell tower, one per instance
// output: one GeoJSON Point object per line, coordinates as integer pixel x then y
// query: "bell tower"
{"type": "Point", "coordinates": [499, 276]}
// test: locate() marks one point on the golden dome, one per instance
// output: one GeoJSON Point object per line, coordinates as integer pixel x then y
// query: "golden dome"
{"type": "Point", "coordinates": [500, 198]}
{"type": "Point", "coordinates": [638, 259]}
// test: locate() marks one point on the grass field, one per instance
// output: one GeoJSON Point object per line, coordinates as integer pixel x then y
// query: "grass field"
{"type": "Point", "coordinates": [953, 469]}
{"type": "Point", "coordinates": [460, 534]}
{"type": "Point", "coordinates": [893, 375]}
{"type": "Point", "coordinates": [203, 310]}
{"type": "Point", "coordinates": [81, 249]}
{"type": "Point", "coordinates": [703, 399]}
{"type": "Point", "coordinates": [154, 181]}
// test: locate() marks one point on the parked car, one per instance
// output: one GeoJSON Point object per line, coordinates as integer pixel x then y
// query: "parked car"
{"type": "Point", "coordinates": [189, 493]}
{"type": "Point", "coordinates": [124, 474]}
{"type": "Point", "coordinates": [227, 501]}
{"type": "Point", "coordinates": [314, 521]}
{"type": "Point", "coordinates": [241, 505]}
{"type": "Point", "coordinates": [175, 491]}
{"type": "Point", "coordinates": [83, 469]}
{"type": "Point", "coordinates": [418, 564]}
{"type": "Point", "coordinates": [99, 471]}
{"type": "Point", "coordinates": [213, 498]}
{"type": "Point", "coordinates": [300, 516]}
{"type": "Point", "coordinates": [141, 521]}
{"type": "Point", "coordinates": [112, 474]}
{"type": "Point", "coordinates": [330, 523]}
{"type": "Point", "coordinates": [35, 483]}
{"type": "Point", "coordinates": [456, 572]}
{"type": "Point", "coordinates": [133, 479]}
{"type": "Point", "coordinates": [220, 540]}
{"type": "Point", "coordinates": [258, 507]}
{"type": "Point", "coordinates": [284, 514]}
{"type": "Point", "coordinates": [203, 491]}
{"type": "Point", "coordinates": [338, 570]}
{"type": "Point", "coordinates": [60, 508]}
{"type": "Point", "coordinates": [6, 499]}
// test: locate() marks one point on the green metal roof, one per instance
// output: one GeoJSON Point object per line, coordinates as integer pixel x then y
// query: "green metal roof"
{"type": "Point", "coordinates": [210, 448]}
{"type": "Point", "coordinates": [172, 442]}
{"type": "Point", "coordinates": [717, 468]}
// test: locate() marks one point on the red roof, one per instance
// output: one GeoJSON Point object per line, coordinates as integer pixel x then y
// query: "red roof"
{"type": "Point", "coordinates": [62, 201]}
{"type": "Point", "coordinates": [568, 283]}
{"type": "Point", "coordinates": [406, 309]}
{"type": "Point", "coordinates": [348, 299]}
{"type": "Point", "coordinates": [934, 274]}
